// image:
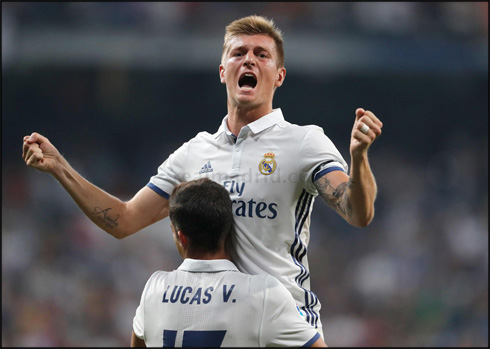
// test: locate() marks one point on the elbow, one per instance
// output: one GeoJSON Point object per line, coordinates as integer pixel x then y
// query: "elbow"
{"type": "Point", "coordinates": [362, 222]}
{"type": "Point", "coordinates": [124, 234]}
{"type": "Point", "coordinates": [120, 234]}
{"type": "Point", "coordinates": [359, 224]}
{"type": "Point", "coordinates": [117, 234]}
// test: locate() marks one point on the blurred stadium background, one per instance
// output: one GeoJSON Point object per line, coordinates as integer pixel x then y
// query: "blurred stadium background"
{"type": "Point", "coordinates": [117, 87]}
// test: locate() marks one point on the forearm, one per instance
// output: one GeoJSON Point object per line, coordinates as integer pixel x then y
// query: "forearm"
{"type": "Point", "coordinates": [353, 196]}
{"type": "Point", "coordinates": [361, 192]}
{"type": "Point", "coordinates": [105, 210]}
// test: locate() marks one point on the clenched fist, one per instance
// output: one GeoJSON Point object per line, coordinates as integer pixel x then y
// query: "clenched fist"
{"type": "Point", "coordinates": [39, 153]}
{"type": "Point", "coordinates": [367, 127]}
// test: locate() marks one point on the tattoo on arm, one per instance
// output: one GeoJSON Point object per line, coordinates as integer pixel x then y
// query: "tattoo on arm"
{"type": "Point", "coordinates": [336, 198]}
{"type": "Point", "coordinates": [102, 216]}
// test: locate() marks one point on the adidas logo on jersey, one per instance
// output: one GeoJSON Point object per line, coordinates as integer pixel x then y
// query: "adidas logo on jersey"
{"type": "Point", "coordinates": [206, 168]}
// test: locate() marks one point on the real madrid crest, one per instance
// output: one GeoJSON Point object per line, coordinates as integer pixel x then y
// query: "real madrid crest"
{"type": "Point", "coordinates": [268, 165]}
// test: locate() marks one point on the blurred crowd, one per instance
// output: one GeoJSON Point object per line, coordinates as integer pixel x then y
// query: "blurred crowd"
{"type": "Point", "coordinates": [417, 276]}
{"type": "Point", "coordinates": [391, 18]}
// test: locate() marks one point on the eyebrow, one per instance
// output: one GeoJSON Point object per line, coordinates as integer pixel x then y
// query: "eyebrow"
{"type": "Point", "coordinates": [260, 48]}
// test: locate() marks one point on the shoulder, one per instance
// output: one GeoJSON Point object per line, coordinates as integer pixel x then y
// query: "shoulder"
{"type": "Point", "coordinates": [308, 139]}
{"type": "Point", "coordinates": [158, 277]}
{"type": "Point", "coordinates": [201, 136]}
{"type": "Point", "coordinates": [300, 130]}
{"type": "Point", "coordinates": [204, 135]}
{"type": "Point", "coordinates": [199, 139]}
{"type": "Point", "coordinates": [267, 283]}
{"type": "Point", "coordinates": [276, 286]}
{"type": "Point", "coordinates": [154, 283]}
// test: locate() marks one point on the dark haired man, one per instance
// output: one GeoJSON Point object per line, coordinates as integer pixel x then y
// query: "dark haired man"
{"type": "Point", "coordinates": [207, 302]}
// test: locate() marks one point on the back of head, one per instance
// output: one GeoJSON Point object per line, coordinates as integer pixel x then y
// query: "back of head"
{"type": "Point", "coordinates": [256, 25]}
{"type": "Point", "coordinates": [201, 209]}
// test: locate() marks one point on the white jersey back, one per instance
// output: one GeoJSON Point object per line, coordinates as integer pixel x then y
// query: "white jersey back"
{"type": "Point", "coordinates": [209, 303]}
{"type": "Point", "coordinates": [269, 170]}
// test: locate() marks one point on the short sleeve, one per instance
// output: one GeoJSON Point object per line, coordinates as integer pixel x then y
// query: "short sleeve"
{"type": "Point", "coordinates": [139, 318]}
{"type": "Point", "coordinates": [282, 325]}
{"type": "Point", "coordinates": [318, 157]}
{"type": "Point", "coordinates": [170, 173]}
{"type": "Point", "coordinates": [138, 323]}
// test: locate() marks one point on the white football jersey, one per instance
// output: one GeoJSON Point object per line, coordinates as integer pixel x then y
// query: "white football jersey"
{"type": "Point", "coordinates": [269, 170]}
{"type": "Point", "coordinates": [209, 303]}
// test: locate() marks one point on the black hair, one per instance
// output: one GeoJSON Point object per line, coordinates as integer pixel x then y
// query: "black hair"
{"type": "Point", "coordinates": [201, 209]}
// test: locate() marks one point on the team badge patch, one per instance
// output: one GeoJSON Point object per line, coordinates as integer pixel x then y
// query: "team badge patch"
{"type": "Point", "coordinates": [268, 165]}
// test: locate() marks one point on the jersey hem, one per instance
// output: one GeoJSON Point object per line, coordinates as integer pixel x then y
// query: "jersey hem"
{"type": "Point", "coordinates": [158, 190]}
{"type": "Point", "coordinates": [313, 340]}
{"type": "Point", "coordinates": [325, 171]}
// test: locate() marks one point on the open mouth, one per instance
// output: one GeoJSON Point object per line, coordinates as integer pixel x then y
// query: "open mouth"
{"type": "Point", "coordinates": [248, 81]}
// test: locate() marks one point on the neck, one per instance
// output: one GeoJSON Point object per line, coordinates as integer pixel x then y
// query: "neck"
{"type": "Point", "coordinates": [221, 254]}
{"type": "Point", "coordinates": [242, 116]}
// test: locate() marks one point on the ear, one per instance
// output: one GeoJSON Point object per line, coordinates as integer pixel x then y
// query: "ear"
{"type": "Point", "coordinates": [182, 238]}
{"type": "Point", "coordinates": [222, 74]}
{"type": "Point", "coordinates": [281, 75]}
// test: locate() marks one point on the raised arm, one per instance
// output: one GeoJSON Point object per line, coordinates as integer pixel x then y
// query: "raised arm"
{"type": "Point", "coordinates": [118, 218]}
{"type": "Point", "coordinates": [353, 196]}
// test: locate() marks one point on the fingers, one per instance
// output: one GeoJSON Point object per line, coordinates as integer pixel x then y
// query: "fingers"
{"type": "Point", "coordinates": [362, 114]}
{"type": "Point", "coordinates": [367, 125]}
{"type": "Point", "coordinates": [365, 138]}
{"type": "Point", "coordinates": [31, 149]}
{"type": "Point", "coordinates": [366, 129]}
{"type": "Point", "coordinates": [25, 147]}
{"type": "Point", "coordinates": [359, 112]}
{"type": "Point", "coordinates": [32, 154]}
{"type": "Point", "coordinates": [35, 138]}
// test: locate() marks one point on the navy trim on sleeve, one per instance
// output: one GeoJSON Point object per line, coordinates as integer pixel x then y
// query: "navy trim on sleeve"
{"type": "Point", "coordinates": [327, 170]}
{"type": "Point", "coordinates": [317, 169]}
{"type": "Point", "coordinates": [158, 190]}
{"type": "Point", "coordinates": [313, 340]}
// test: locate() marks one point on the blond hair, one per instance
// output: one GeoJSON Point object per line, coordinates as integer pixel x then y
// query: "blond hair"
{"type": "Point", "coordinates": [256, 25]}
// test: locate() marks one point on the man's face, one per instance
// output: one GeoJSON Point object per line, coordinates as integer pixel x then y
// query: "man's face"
{"type": "Point", "coordinates": [249, 70]}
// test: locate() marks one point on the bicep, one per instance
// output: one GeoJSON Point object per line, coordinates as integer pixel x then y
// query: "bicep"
{"type": "Point", "coordinates": [145, 208]}
{"type": "Point", "coordinates": [332, 187]}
